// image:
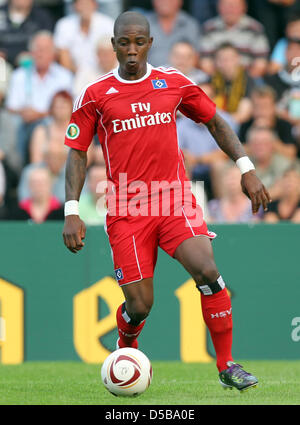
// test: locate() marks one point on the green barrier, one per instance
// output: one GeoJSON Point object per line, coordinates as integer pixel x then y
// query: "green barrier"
{"type": "Point", "coordinates": [55, 305]}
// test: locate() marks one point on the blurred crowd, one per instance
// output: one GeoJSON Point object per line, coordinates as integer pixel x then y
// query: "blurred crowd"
{"type": "Point", "coordinates": [245, 55]}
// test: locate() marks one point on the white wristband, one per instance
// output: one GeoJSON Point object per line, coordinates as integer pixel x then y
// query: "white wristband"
{"type": "Point", "coordinates": [244, 164]}
{"type": "Point", "coordinates": [71, 208]}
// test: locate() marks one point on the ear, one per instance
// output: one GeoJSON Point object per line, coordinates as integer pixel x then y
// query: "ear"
{"type": "Point", "coordinates": [113, 43]}
{"type": "Point", "coordinates": [150, 42]}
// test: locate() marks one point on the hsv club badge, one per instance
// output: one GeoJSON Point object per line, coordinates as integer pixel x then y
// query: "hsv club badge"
{"type": "Point", "coordinates": [159, 84]}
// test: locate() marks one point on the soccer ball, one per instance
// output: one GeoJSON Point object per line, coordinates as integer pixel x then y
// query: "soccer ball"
{"type": "Point", "coordinates": [126, 372]}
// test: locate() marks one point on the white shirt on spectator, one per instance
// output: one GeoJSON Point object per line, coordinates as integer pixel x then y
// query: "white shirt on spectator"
{"type": "Point", "coordinates": [28, 89]}
{"type": "Point", "coordinates": [82, 47]}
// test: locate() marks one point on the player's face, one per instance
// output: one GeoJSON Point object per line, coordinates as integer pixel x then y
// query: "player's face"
{"type": "Point", "coordinates": [131, 45]}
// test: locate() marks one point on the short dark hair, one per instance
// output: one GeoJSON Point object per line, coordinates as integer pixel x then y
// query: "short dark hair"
{"type": "Point", "coordinates": [257, 128]}
{"type": "Point", "coordinates": [264, 91]}
{"type": "Point", "coordinates": [226, 45]}
{"type": "Point", "coordinates": [131, 18]}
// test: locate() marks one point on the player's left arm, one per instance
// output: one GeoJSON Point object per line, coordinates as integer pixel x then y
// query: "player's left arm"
{"type": "Point", "coordinates": [230, 144]}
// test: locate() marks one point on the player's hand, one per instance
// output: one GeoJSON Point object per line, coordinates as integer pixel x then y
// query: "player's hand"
{"type": "Point", "coordinates": [74, 233]}
{"type": "Point", "coordinates": [255, 190]}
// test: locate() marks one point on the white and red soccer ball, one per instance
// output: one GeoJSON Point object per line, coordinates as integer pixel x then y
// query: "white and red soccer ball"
{"type": "Point", "coordinates": [126, 372]}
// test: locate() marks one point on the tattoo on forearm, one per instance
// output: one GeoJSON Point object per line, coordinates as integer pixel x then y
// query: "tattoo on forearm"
{"type": "Point", "coordinates": [75, 173]}
{"type": "Point", "coordinates": [225, 137]}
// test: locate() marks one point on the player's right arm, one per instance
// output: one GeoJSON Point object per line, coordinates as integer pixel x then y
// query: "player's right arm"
{"type": "Point", "coordinates": [79, 135]}
{"type": "Point", "coordinates": [74, 228]}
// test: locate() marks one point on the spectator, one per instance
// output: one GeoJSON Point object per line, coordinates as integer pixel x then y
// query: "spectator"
{"type": "Point", "coordinates": [40, 205]}
{"type": "Point", "coordinates": [20, 20]}
{"type": "Point", "coordinates": [52, 131]}
{"type": "Point", "coordinates": [32, 87]}
{"type": "Point", "coordinates": [231, 84]}
{"type": "Point", "coordinates": [169, 24]}
{"type": "Point", "coordinates": [265, 115]}
{"type": "Point", "coordinates": [184, 57]}
{"type": "Point", "coordinates": [287, 85]}
{"type": "Point", "coordinates": [292, 32]}
{"type": "Point", "coordinates": [284, 81]}
{"type": "Point", "coordinates": [287, 207]}
{"type": "Point", "coordinates": [48, 137]}
{"type": "Point", "coordinates": [8, 143]}
{"type": "Point", "coordinates": [106, 61]}
{"type": "Point", "coordinates": [273, 14]}
{"type": "Point", "coordinates": [105, 55]}
{"type": "Point", "coordinates": [92, 202]}
{"type": "Point", "coordinates": [235, 27]}
{"type": "Point", "coordinates": [7, 127]}
{"type": "Point", "coordinates": [54, 159]}
{"type": "Point", "coordinates": [5, 73]}
{"type": "Point", "coordinates": [270, 166]}
{"type": "Point", "coordinates": [233, 206]}
{"type": "Point", "coordinates": [76, 36]}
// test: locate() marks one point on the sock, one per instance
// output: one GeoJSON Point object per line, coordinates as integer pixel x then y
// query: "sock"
{"type": "Point", "coordinates": [127, 328]}
{"type": "Point", "coordinates": [217, 314]}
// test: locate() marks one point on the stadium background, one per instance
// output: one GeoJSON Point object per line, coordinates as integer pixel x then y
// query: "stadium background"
{"type": "Point", "coordinates": [55, 306]}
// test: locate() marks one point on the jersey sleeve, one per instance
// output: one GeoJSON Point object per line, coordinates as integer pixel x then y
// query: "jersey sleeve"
{"type": "Point", "coordinates": [83, 122]}
{"type": "Point", "coordinates": [195, 104]}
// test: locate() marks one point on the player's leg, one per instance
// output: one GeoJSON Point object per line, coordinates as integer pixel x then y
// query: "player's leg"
{"type": "Point", "coordinates": [132, 313]}
{"type": "Point", "coordinates": [196, 255]}
{"type": "Point", "coordinates": [133, 243]}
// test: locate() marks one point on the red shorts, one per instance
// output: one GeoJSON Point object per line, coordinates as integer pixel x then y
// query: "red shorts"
{"type": "Point", "coordinates": [134, 241]}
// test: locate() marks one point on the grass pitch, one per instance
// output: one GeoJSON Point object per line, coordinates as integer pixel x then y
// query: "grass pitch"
{"type": "Point", "coordinates": [173, 383]}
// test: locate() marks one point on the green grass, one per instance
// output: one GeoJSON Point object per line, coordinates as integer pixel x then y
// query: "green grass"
{"type": "Point", "coordinates": [173, 383]}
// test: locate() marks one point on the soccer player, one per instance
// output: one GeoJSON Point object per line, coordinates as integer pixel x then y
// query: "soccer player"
{"type": "Point", "coordinates": [133, 109]}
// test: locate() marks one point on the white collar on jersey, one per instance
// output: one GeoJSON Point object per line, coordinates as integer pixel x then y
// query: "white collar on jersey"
{"type": "Point", "coordinates": [116, 74]}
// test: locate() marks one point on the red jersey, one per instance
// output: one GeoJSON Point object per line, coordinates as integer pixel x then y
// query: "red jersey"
{"type": "Point", "coordinates": [136, 123]}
